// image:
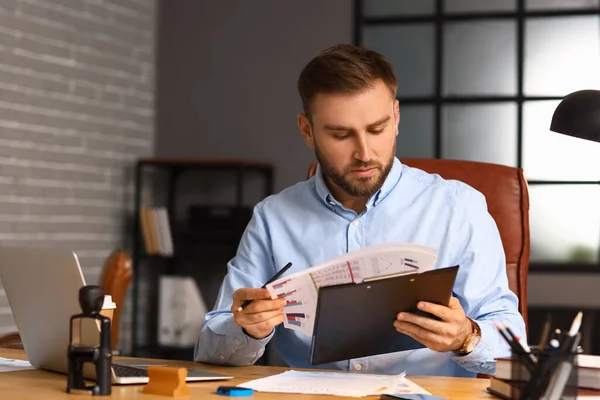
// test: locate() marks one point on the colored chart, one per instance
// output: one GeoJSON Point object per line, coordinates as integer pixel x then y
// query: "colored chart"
{"type": "Point", "coordinates": [295, 318]}
{"type": "Point", "coordinates": [286, 294]}
{"type": "Point", "coordinates": [280, 285]}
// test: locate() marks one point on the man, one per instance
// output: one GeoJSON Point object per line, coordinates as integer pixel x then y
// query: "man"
{"type": "Point", "coordinates": [362, 195]}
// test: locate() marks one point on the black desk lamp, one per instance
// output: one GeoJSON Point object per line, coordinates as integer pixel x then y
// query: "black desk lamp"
{"type": "Point", "coordinates": [578, 115]}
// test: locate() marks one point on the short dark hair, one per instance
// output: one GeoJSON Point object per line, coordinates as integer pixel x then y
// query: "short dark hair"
{"type": "Point", "coordinates": [344, 68]}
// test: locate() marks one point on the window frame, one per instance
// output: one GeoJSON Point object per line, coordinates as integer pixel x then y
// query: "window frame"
{"type": "Point", "coordinates": [438, 100]}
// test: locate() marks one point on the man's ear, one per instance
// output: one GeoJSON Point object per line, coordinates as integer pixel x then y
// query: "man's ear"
{"type": "Point", "coordinates": [396, 115]}
{"type": "Point", "coordinates": [306, 130]}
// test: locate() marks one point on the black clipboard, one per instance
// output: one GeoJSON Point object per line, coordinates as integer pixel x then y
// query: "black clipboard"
{"type": "Point", "coordinates": [356, 320]}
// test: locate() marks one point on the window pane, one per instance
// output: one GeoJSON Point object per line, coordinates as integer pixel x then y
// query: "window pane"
{"type": "Point", "coordinates": [551, 156]}
{"type": "Point", "coordinates": [410, 49]}
{"type": "Point", "coordinates": [560, 4]}
{"type": "Point", "coordinates": [477, 51]}
{"type": "Point", "coordinates": [562, 55]}
{"type": "Point", "coordinates": [479, 5]}
{"type": "Point", "coordinates": [386, 8]}
{"type": "Point", "coordinates": [564, 222]}
{"type": "Point", "coordinates": [480, 132]}
{"type": "Point", "coordinates": [416, 132]}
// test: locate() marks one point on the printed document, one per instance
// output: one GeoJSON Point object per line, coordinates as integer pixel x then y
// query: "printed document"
{"type": "Point", "coordinates": [335, 383]}
{"type": "Point", "coordinates": [8, 364]}
{"type": "Point", "coordinates": [301, 289]}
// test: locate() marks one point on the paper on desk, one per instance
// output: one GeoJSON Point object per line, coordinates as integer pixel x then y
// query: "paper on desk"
{"type": "Point", "coordinates": [301, 289]}
{"type": "Point", "coordinates": [334, 383]}
{"type": "Point", "coordinates": [7, 365]}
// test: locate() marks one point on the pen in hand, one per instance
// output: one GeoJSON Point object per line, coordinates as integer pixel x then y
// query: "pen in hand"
{"type": "Point", "coordinates": [274, 278]}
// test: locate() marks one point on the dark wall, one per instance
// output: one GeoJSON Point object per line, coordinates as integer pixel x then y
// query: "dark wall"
{"type": "Point", "coordinates": [227, 74]}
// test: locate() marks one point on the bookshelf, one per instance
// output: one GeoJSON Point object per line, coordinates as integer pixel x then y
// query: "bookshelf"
{"type": "Point", "coordinates": [160, 243]}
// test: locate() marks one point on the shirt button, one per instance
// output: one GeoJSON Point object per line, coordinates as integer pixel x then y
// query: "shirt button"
{"type": "Point", "coordinates": [237, 341]}
{"type": "Point", "coordinates": [357, 367]}
{"type": "Point", "coordinates": [221, 356]}
{"type": "Point", "coordinates": [355, 223]}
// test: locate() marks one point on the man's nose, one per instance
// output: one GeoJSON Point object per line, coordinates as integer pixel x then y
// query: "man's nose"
{"type": "Point", "coordinates": [362, 152]}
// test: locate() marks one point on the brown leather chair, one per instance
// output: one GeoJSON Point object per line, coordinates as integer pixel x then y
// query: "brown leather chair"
{"type": "Point", "coordinates": [115, 281]}
{"type": "Point", "coordinates": [507, 196]}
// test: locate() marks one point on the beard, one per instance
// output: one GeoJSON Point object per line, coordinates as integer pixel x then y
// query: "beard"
{"type": "Point", "coordinates": [360, 186]}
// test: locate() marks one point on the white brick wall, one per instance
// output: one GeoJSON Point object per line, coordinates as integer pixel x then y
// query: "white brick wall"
{"type": "Point", "coordinates": [76, 109]}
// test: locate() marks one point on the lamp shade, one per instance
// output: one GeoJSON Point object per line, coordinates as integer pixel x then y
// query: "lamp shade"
{"type": "Point", "coordinates": [578, 115]}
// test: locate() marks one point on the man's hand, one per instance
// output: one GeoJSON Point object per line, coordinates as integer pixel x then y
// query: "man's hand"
{"type": "Point", "coordinates": [260, 317]}
{"type": "Point", "coordinates": [449, 334]}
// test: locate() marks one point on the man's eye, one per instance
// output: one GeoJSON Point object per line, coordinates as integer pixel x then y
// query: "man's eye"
{"type": "Point", "coordinates": [341, 137]}
{"type": "Point", "coordinates": [377, 132]}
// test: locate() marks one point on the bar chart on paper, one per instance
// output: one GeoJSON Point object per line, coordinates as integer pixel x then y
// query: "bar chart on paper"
{"type": "Point", "coordinates": [296, 318]}
{"type": "Point", "coordinates": [281, 285]}
{"type": "Point", "coordinates": [299, 294]}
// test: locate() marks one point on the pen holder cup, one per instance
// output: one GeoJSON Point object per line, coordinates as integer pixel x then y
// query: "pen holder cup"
{"type": "Point", "coordinates": [548, 373]}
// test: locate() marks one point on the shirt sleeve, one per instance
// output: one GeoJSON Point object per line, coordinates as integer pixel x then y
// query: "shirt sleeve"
{"type": "Point", "coordinates": [482, 283]}
{"type": "Point", "coordinates": [221, 340]}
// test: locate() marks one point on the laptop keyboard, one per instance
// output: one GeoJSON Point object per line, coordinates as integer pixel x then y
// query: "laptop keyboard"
{"type": "Point", "coordinates": [124, 371]}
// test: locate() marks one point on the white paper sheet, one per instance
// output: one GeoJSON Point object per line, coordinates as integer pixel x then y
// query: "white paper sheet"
{"type": "Point", "coordinates": [334, 383]}
{"type": "Point", "coordinates": [301, 289]}
{"type": "Point", "coordinates": [7, 365]}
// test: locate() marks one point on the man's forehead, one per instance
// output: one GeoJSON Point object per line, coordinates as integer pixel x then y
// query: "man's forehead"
{"type": "Point", "coordinates": [352, 116]}
{"type": "Point", "coordinates": [355, 124]}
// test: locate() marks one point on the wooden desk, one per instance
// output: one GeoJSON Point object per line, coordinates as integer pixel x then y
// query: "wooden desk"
{"type": "Point", "coordinates": [38, 384]}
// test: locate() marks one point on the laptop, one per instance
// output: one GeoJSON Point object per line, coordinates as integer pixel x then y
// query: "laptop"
{"type": "Point", "coordinates": [42, 288]}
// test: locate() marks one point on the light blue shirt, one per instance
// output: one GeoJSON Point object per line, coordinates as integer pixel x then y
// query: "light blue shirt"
{"type": "Point", "coordinates": [304, 224]}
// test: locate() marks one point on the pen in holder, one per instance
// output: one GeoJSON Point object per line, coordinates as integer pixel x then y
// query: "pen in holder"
{"type": "Point", "coordinates": [554, 375]}
{"type": "Point", "coordinates": [84, 348]}
{"type": "Point", "coordinates": [548, 372]}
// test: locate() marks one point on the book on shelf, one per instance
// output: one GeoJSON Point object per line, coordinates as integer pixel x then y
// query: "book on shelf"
{"type": "Point", "coordinates": [156, 231]}
{"type": "Point", "coordinates": [588, 370]}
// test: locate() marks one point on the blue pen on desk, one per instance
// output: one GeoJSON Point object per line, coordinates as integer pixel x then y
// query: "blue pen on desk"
{"type": "Point", "coordinates": [273, 279]}
{"type": "Point", "coordinates": [234, 391]}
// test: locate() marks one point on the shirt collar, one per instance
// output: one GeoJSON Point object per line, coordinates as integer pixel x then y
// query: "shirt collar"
{"type": "Point", "coordinates": [388, 185]}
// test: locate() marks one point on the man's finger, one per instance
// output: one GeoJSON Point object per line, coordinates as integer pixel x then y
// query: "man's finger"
{"type": "Point", "coordinates": [246, 319]}
{"type": "Point", "coordinates": [455, 304]}
{"type": "Point", "coordinates": [427, 323]}
{"type": "Point", "coordinates": [430, 339]}
{"type": "Point", "coordinates": [443, 312]}
{"type": "Point", "coordinates": [268, 324]}
{"type": "Point", "coordinates": [244, 294]}
{"type": "Point", "coordinates": [259, 306]}
{"type": "Point", "coordinates": [416, 332]}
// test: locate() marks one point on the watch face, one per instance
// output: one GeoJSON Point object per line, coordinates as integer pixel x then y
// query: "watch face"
{"type": "Point", "coordinates": [474, 342]}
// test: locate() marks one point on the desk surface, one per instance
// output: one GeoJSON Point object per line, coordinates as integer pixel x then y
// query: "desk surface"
{"type": "Point", "coordinates": [38, 384]}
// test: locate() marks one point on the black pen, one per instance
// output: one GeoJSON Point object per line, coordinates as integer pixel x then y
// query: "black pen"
{"type": "Point", "coordinates": [545, 332]}
{"type": "Point", "coordinates": [521, 349]}
{"type": "Point", "coordinates": [504, 335]}
{"type": "Point", "coordinates": [274, 278]}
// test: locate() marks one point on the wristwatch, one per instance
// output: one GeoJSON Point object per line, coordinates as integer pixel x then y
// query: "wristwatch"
{"type": "Point", "coordinates": [471, 341]}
